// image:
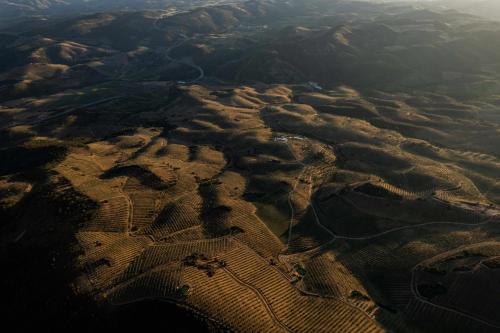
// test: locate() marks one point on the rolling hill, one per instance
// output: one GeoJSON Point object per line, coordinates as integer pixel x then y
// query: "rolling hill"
{"type": "Point", "coordinates": [257, 166]}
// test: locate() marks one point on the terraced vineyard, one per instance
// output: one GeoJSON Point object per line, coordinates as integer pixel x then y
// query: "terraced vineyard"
{"type": "Point", "coordinates": [163, 283]}
{"type": "Point", "coordinates": [177, 216]}
{"type": "Point", "coordinates": [227, 298]}
{"type": "Point", "coordinates": [205, 239]}
{"type": "Point", "coordinates": [113, 216]}
{"type": "Point", "coordinates": [296, 311]}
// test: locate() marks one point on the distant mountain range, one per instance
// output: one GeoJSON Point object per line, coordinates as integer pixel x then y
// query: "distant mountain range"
{"type": "Point", "coordinates": [485, 8]}
{"type": "Point", "coordinates": [18, 8]}
{"type": "Point", "coordinates": [279, 42]}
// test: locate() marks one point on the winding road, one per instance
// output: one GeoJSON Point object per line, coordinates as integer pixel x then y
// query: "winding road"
{"type": "Point", "coordinates": [420, 298]}
{"type": "Point", "coordinates": [57, 115]}
{"type": "Point", "coordinates": [184, 62]}
{"type": "Point", "coordinates": [261, 297]}
{"type": "Point", "coordinates": [492, 215]}
{"type": "Point", "coordinates": [166, 52]}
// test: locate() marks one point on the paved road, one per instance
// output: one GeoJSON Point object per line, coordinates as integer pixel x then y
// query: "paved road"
{"type": "Point", "coordinates": [188, 63]}
{"type": "Point", "coordinates": [167, 52]}
{"type": "Point", "coordinates": [173, 12]}
{"type": "Point", "coordinates": [59, 114]}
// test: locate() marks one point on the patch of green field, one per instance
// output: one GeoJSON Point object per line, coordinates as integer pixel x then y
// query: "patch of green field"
{"type": "Point", "coordinates": [276, 219]}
